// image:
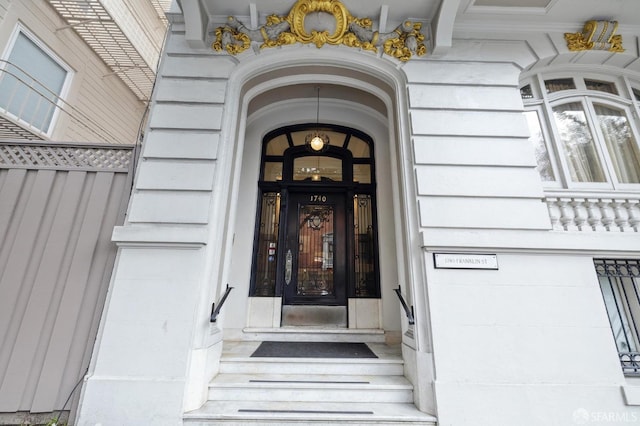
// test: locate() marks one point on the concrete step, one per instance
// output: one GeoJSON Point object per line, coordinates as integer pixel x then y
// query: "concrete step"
{"type": "Point", "coordinates": [307, 413]}
{"type": "Point", "coordinates": [311, 334]}
{"type": "Point", "coordinates": [352, 366]}
{"type": "Point", "coordinates": [309, 391]}
{"type": "Point", "coordinates": [310, 387]}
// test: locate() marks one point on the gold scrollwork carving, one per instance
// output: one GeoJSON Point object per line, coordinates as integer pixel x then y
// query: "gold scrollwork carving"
{"type": "Point", "coordinates": [402, 43]}
{"type": "Point", "coordinates": [302, 8]}
{"type": "Point", "coordinates": [596, 35]}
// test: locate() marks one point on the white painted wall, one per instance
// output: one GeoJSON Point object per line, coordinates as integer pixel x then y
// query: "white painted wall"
{"type": "Point", "coordinates": [528, 344]}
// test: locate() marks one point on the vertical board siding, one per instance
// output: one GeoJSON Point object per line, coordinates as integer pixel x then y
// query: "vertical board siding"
{"type": "Point", "coordinates": [56, 258]}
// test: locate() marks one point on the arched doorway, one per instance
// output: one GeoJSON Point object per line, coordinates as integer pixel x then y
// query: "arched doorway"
{"type": "Point", "coordinates": [316, 242]}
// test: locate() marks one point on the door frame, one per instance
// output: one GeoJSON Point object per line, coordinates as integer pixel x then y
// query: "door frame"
{"type": "Point", "coordinates": [286, 185]}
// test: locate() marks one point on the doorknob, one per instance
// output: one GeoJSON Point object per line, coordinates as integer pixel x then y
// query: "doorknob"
{"type": "Point", "coordinates": [288, 264]}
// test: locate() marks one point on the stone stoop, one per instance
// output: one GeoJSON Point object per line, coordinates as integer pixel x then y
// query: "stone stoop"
{"type": "Point", "coordinates": [314, 391]}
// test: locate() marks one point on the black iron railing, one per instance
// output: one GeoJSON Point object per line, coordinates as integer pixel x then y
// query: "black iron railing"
{"type": "Point", "coordinates": [630, 362]}
{"type": "Point", "coordinates": [215, 310]}
{"type": "Point", "coordinates": [407, 310]}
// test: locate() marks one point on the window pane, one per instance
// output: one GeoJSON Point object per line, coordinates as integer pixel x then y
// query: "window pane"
{"type": "Point", "coordinates": [526, 92]}
{"type": "Point", "coordinates": [537, 139]}
{"type": "Point", "coordinates": [277, 145]}
{"type": "Point", "coordinates": [298, 137]}
{"type": "Point", "coordinates": [636, 94]}
{"type": "Point", "coordinates": [601, 86]}
{"type": "Point", "coordinates": [579, 147]}
{"type": "Point", "coordinates": [621, 145]}
{"type": "Point", "coordinates": [31, 83]}
{"type": "Point", "coordinates": [559, 84]}
{"type": "Point", "coordinates": [362, 173]}
{"type": "Point", "coordinates": [364, 255]}
{"type": "Point", "coordinates": [359, 148]}
{"type": "Point", "coordinates": [266, 250]}
{"type": "Point", "coordinates": [272, 172]}
{"type": "Point", "coordinates": [614, 301]}
{"type": "Point", "coordinates": [316, 168]}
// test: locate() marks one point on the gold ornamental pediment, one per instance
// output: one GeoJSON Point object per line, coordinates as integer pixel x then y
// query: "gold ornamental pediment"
{"type": "Point", "coordinates": [335, 25]}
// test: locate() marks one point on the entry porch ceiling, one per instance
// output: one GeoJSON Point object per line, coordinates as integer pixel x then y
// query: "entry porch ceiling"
{"type": "Point", "coordinates": [441, 17]}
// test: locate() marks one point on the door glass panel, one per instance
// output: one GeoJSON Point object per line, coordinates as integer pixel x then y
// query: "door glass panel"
{"type": "Point", "coordinates": [315, 168]}
{"type": "Point", "coordinates": [267, 241]}
{"type": "Point", "coordinates": [363, 246]}
{"type": "Point", "coordinates": [315, 250]}
{"type": "Point", "coordinates": [579, 148]}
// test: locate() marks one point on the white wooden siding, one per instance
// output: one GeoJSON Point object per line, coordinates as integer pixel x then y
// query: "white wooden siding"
{"type": "Point", "coordinates": [4, 5]}
{"type": "Point", "coordinates": [56, 258]}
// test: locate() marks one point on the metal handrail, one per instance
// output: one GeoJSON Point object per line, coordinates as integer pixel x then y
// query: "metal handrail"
{"type": "Point", "coordinates": [216, 310]}
{"type": "Point", "coordinates": [408, 311]}
{"type": "Point", "coordinates": [43, 95]}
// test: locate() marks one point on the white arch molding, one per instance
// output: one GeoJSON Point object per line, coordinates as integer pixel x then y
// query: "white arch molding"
{"type": "Point", "coordinates": [237, 169]}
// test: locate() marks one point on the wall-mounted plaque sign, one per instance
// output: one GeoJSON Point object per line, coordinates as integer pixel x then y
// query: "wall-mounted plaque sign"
{"type": "Point", "coordinates": [465, 261]}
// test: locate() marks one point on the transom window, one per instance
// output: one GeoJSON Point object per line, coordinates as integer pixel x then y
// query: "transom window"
{"type": "Point", "coordinates": [584, 131]}
{"type": "Point", "coordinates": [335, 166]}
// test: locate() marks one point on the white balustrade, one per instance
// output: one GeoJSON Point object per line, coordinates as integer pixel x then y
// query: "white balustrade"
{"type": "Point", "coordinates": [594, 213]}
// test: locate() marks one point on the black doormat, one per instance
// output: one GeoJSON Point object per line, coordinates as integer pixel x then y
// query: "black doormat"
{"type": "Point", "coordinates": [313, 350]}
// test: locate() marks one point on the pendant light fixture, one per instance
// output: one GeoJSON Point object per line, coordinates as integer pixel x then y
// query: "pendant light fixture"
{"type": "Point", "coordinates": [317, 141]}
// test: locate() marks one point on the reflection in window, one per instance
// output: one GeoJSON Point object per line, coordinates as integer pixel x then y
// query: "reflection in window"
{"type": "Point", "coordinates": [559, 84]}
{"type": "Point", "coordinates": [592, 142]}
{"type": "Point", "coordinates": [316, 254]}
{"type": "Point", "coordinates": [622, 146]}
{"type": "Point", "coordinates": [542, 155]}
{"type": "Point", "coordinates": [31, 84]}
{"type": "Point", "coordinates": [579, 148]}
{"type": "Point", "coordinates": [526, 92]}
{"type": "Point", "coordinates": [317, 168]}
{"type": "Point", "coordinates": [601, 86]}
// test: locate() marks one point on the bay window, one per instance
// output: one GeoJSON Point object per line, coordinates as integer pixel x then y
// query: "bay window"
{"type": "Point", "coordinates": [584, 132]}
